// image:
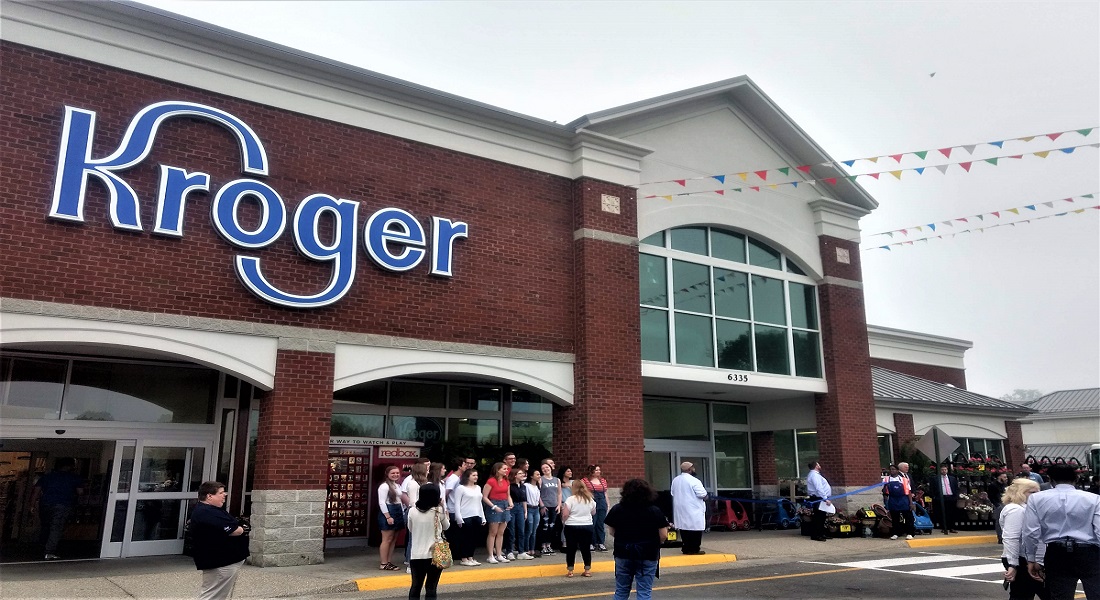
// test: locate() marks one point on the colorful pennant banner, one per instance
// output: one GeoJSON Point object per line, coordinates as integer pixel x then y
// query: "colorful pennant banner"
{"type": "Point", "coordinates": [1025, 209]}
{"type": "Point", "coordinates": [889, 247]}
{"type": "Point", "coordinates": [762, 175]}
{"type": "Point", "coordinates": [896, 173]}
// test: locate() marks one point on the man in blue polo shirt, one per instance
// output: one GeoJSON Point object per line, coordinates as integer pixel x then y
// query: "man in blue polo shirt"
{"type": "Point", "coordinates": [220, 542]}
{"type": "Point", "coordinates": [54, 498]}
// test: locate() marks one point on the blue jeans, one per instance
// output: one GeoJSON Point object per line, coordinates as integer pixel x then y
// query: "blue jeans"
{"type": "Point", "coordinates": [597, 519]}
{"type": "Point", "coordinates": [531, 530]}
{"type": "Point", "coordinates": [640, 571]}
{"type": "Point", "coordinates": [517, 532]}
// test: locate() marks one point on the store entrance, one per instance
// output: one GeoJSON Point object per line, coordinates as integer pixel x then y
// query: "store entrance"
{"type": "Point", "coordinates": [22, 463]}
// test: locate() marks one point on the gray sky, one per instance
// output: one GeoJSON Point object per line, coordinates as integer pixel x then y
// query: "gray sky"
{"type": "Point", "coordinates": [856, 77]}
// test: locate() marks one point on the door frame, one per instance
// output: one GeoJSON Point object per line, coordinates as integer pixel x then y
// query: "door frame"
{"type": "Point", "coordinates": [678, 450]}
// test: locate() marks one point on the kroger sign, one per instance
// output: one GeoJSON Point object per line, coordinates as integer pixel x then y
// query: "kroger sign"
{"type": "Point", "coordinates": [392, 237]}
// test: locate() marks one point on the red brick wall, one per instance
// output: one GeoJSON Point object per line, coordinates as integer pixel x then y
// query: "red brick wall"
{"type": "Point", "coordinates": [292, 448]}
{"type": "Point", "coordinates": [955, 377]}
{"type": "Point", "coordinates": [1014, 446]}
{"type": "Point", "coordinates": [763, 458]}
{"type": "Point", "coordinates": [513, 276]}
{"type": "Point", "coordinates": [846, 430]}
{"type": "Point", "coordinates": [904, 431]}
{"type": "Point", "coordinates": [605, 424]}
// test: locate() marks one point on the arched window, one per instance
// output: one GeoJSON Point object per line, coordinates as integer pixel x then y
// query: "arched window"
{"type": "Point", "coordinates": [717, 298]}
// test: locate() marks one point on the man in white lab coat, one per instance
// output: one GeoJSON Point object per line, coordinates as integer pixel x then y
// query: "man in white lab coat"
{"type": "Point", "coordinates": [689, 508]}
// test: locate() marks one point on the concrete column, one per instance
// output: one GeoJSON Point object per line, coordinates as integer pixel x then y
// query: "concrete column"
{"type": "Point", "coordinates": [289, 490]}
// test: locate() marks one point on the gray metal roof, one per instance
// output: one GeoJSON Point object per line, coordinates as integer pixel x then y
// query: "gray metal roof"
{"type": "Point", "coordinates": [1066, 451]}
{"type": "Point", "coordinates": [1067, 401]}
{"type": "Point", "coordinates": [891, 385]}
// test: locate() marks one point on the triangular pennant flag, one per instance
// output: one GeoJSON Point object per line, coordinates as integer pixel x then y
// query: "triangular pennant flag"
{"type": "Point", "coordinates": [851, 177]}
{"type": "Point", "coordinates": [969, 149]}
{"type": "Point", "coordinates": [1026, 139]}
{"type": "Point", "coordinates": [1067, 150]}
{"type": "Point", "coordinates": [830, 180]}
{"type": "Point", "coordinates": [996, 214]}
{"type": "Point", "coordinates": [942, 168]}
{"type": "Point", "coordinates": [920, 229]}
{"type": "Point", "coordinates": [737, 190]}
{"type": "Point", "coordinates": [997, 144]}
{"type": "Point", "coordinates": [948, 223]}
{"type": "Point", "coordinates": [1068, 199]}
{"type": "Point", "coordinates": [932, 226]}
{"type": "Point", "coordinates": [743, 176]}
{"type": "Point", "coordinates": [919, 170]}
{"type": "Point", "coordinates": [873, 159]}
{"type": "Point", "coordinates": [773, 185]}
{"type": "Point", "coordinates": [762, 175]}
{"type": "Point", "coordinates": [896, 174]}
{"type": "Point", "coordinates": [1096, 145]}
{"type": "Point", "coordinates": [1014, 211]}
{"type": "Point", "coordinates": [980, 217]}
{"type": "Point", "coordinates": [897, 157]}
{"type": "Point", "coordinates": [1085, 131]}
{"type": "Point", "coordinates": [1087, 196]}
{"type": "Point", "coordinates": [1026, 221]}
{"type": "Point", "coordinates": [720, 192]}
{"type": "Point", "coordinates": [754, 188]}
{"type": "Point", "coordinates": [1078, 211]}
{"type": "Point", "coordinates": [904, 231]}
{"type": "Point", "coordinates": [669, 198]}
{"type": "Point", "coordinates": [1030, 207]}
{"type": "Point", "coordinates": [682, 182]}
{"type": "Point", "coordinates": [1048, 204]}
{"type": "Point", "coordinates": [963, 219]}
{"type": "Point", "coordinates": [649, 196]}
{"type": "Point", "coordinates": [1053, 136]}
{"type": "Point", "coordinates": [1015, 156]}
{"type": "Point", "coordinates": [965, 166]}
{"type": "Point", "coordinates": [848, 162]}
{"type": "Point", "coordinates": [1042, 154]}
{"type": "Point", "coordinates": [946, 152]}
{"type": "Point", "coordinates": [720, 178]}
{"type": "Point", "coordinates": [784, 170]}
{"type": "Point", "coordinates": [874, 175]}
{"type": "Point", "coordinates": [794, 184]}
{"type": "Point", "coordinates": [889, 234]}
{"type": "Point", "coordinates": [992, 161]}
{"type": "Point", "coordinates": [921, 154]}
{"type": "Point", "coordinates": [806, 168]}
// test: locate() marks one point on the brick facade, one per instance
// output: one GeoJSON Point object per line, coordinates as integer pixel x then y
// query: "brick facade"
{"type": "Point", "coordinates": [763, 458]}
{"type": "Point", "coordinates": [946, 375]}
{"type": "Point", "coordinates": [605, 424]}
{"type": "Point", "coordinates": [904, 431]}
{"type": "Point", "coordinates": [846, 413]}
{"type": "Point", "coordinates": [1014, 445]}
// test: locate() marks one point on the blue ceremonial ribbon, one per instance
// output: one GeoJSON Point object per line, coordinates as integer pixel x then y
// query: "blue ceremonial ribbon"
{"type": "Point", "coordinates": [806, 502]}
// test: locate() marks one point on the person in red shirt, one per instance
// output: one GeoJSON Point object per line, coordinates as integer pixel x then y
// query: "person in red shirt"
{"type": "Point", "coordinates": [498, 509]}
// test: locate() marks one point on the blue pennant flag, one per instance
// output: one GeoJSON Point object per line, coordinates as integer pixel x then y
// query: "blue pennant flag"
{"type": "Point", "coordinates": [919, 170]}
{"type": "Point", "coordinates": [932, 226]}
{"type": "Point", "coordinates": [1030, 206]}
{"type": "Point", "coordinates": [720, 178]}
{"type": "Point", "coordinates": [1067, 150]}
{"type": "Point", "coordinates": [849, 162]}
{"type": "Point", "coordinates": [794, 184]}
{"type": "Point", "coordinates": [997, 144]}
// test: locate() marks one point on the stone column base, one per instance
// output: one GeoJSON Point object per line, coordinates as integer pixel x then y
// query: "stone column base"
{"type": "Point", "coordinates": [287, 528]}
{"type": "Point", "coordinates": [852, 503]}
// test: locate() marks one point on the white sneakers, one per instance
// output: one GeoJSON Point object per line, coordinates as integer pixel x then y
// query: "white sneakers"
{"type": "Point", "coordinates": [908, 537]}
{"type": "Point", "coordinates": [468, 562]}
{"type": "Point", "coordinates": [510, 556]}
{"type": "Point", "coordinates": [524, 556]}
{"type": "Point", "coordinates": [893, 537]}
{"type": "Point", "coordinates": [492, 560]}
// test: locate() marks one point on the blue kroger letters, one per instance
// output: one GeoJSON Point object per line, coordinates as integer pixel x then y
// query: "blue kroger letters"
{"type": "Point", "coordinates": [393, 238]}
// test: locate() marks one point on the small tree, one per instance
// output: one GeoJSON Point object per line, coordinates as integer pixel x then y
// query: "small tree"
{"type": "Point", "coordinates": [1020, 396]}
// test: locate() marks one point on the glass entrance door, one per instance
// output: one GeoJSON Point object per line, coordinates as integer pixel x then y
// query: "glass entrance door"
{"type": "Point", "coordinates": [153, 485]}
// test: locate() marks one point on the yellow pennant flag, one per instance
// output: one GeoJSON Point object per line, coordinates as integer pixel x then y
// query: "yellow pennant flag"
{"type": "Point", "coordinates": [743, 176]}
{"type": "Point", "coordinates": [1042, 154]}
{"type": "Point", "coordinates": [874, 159]}
{"type": "Point", "coordinates": [1026, 139]}
{"type": "Point", "coordinates": [1079, 211]}
{"type": "Point", "coordinates": [1014, 211]}
{"type": "Point", "coordinates": [773, 186]}
{"type": "Point", "coordinates": [896, 174]}
{"type": "Point", "coordinates": [669, 198]}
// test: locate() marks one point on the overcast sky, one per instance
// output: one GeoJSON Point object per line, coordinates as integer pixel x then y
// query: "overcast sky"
{"type": "Point", "coordinates": [857, 77]}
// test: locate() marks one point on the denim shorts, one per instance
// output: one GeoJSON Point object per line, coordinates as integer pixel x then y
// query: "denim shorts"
{"type": "Point", "coordinates": [503, 516]}
{"type": "Point", "coordinates": [398, 515]}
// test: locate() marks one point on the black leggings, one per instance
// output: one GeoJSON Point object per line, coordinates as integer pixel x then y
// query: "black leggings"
{"type": "Point", "coordinates": [426, 575]}
{"type": "Point", "coordinates": [578, 536]}
{"type": "Point", "coordinates": [466, 537]}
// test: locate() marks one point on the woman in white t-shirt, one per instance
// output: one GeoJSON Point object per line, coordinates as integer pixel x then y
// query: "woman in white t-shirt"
{"type": "Point", "coordinates": [427, 521]}
{"type": "Point", "coordinates": [469, 518]}
{"type": "Point", "coordinates": [577, 516]}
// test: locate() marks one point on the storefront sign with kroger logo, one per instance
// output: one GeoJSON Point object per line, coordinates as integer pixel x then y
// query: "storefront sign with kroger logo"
{"type": "Point", "coordinates": [392, 237]}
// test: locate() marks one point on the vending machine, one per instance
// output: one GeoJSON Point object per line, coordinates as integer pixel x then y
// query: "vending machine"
{"type": "Point", "coordinates": [356, 467]}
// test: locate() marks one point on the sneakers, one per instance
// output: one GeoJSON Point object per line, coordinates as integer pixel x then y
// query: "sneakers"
{"type": "Point", "coordinates": [492, 560]}
{"type": "Point", "coordinates": [408, 570]}
{"type": "Point", "coordinates": [601, 548]}
{"type": "Point", "coordinates": [468, 562]}
{"type": "Point", "coordinates": [908, 537]}
{"type": "Point", "coordinates": [52, 557]}
{"type": "Point", "coordinates": [893, 537]}
{"type": "Point", "coordinates": [510, 556]}
{"type": "Point", "coordinates": [503, 559]}
{"type": "Point", "coordinates": [524, 556]}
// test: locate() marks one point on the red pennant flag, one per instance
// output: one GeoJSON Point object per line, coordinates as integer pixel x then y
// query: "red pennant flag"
{"type": "Point", "coordinates": [946, 152]}
{"type": "Point", "coordinates": [831, 180]}
{"type": "Point", "coordinates": [875, 175]}
{"type": "Point", "coordinates": [720, 192]}
{"type": "Point", "coordinates": [896, 157]}
{"type": "Point", "coordinates": [682, 182]}
{"type": "Point", "coordinates": [1017, 156]}
{"type": "Point", "coordinates": [754, 188]}
{"type": "Point", "coordinates": [997, 214]}
{"type": "Point", "coordinates": [965, 166]}
{"type": "Point", "coordinates": [1053, 136]}
{"type": "Point", "coordinates": [762, 175]}
{"type": "Point", "coordinates": [963, 220]}
{"type": "Point", "coordinates": [804, 168]}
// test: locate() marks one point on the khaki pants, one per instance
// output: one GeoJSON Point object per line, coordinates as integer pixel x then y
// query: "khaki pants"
{"type": "Point", "coordinates": [217, 584]}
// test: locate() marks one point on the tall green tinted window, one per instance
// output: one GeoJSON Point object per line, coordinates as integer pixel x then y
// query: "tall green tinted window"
{"type": "Point", "coordinates": [655, 335]}
{"type": "Point", "coordinates": [694, 344]}
{"type": "Point", "coordinates": [767, 301]}
{"type": "Point", "coordinates": [807, 448]}
{"type": "Point", "coordinates": [652, 280]}
{"type": "Point", "coordinates": [771, 350]}
{"type": "Point", "coordinates": [690, 239]}
{"type": "Point", "coordinates": [786, 459]}
{"type": "Point", "coordinates": [731, 453]}
{"type": "Point", "coordinates": [763, 255]}
{"type": "Point", "coordinates": [691, 286]}
{"type": "Point", "coordinates": [734, 345]}
{"type": "Point", "coordinates": [727, 245]}
{"type": "Point", "coordinates": [807, 360]}
{"type": "Point", "coordinates": [803, 306]}
{"type": "Point", "coordinates": [731, 294]}
{"type": "Point", "coordinates": [657, 239]}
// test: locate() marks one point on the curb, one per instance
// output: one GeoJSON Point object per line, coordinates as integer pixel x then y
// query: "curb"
{"type": "Point", "coordinates": [457, 575]}
{"type": "Point", "coordinates": [965, 540]}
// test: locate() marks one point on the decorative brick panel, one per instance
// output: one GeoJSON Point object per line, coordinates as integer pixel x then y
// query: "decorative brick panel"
{"type": "Point", "coordinates": [604, 425]}
{"type": "Point", "coordinates": [763, 458]}
{"type": "Point", "coordinates": [945, 375]}
{"type": "Point", "coordinates": [904, 431]}
{"type": "Point", "coordinates": [295, 418]}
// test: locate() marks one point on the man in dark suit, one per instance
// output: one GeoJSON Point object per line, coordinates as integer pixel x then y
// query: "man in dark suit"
{"type": "Point", "coordinates": [947, 487]}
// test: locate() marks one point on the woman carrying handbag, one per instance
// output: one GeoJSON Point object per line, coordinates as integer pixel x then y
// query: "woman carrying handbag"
{"type": "Point", "coordinates": [427, 521]}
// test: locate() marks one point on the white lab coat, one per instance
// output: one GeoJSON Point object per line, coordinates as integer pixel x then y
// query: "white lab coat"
{"type": "Point", "coordinates": [689, 507]}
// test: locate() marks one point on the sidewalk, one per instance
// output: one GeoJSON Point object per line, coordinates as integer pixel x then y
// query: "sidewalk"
{"type": "Point", "coordinates": [352, 570]}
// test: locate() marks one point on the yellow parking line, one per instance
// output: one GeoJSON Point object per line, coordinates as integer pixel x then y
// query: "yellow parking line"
{"type": "Point", "coordinates": [946, 540]}
{"type": "Point", "coordinates": [726, 582]}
